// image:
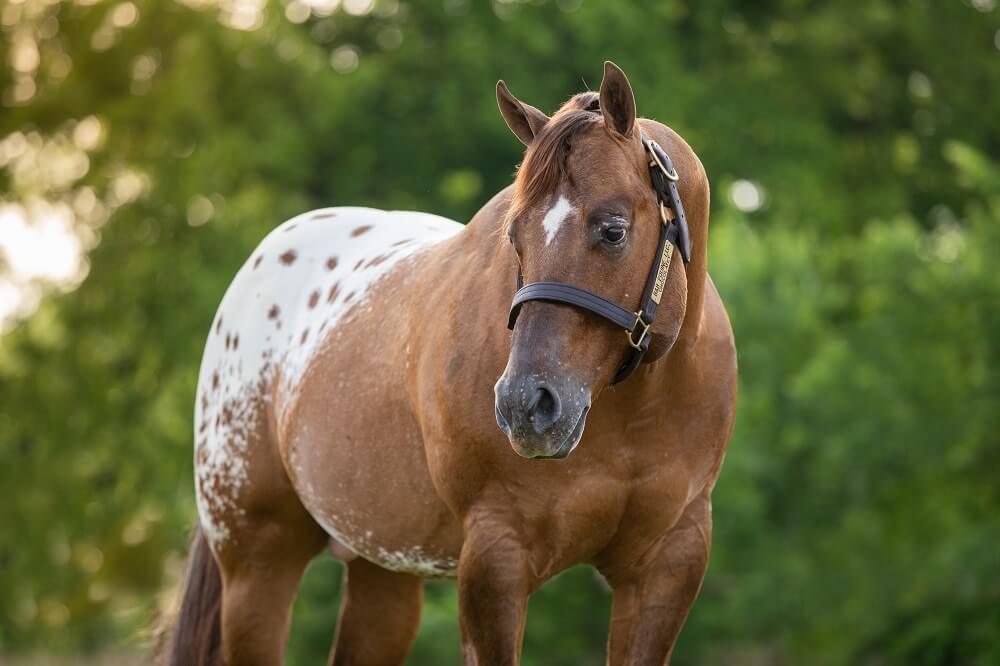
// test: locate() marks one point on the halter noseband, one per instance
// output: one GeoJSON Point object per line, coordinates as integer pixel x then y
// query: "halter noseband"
{"type": "Point", "coordinates": [673, 232]}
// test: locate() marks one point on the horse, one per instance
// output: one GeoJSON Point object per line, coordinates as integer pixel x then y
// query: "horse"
{"type": "Point", "coordinates": [361, 392]}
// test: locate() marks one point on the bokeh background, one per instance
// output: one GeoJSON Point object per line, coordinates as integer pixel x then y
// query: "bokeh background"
{"type": "Point", "coordinates": [854, 152]}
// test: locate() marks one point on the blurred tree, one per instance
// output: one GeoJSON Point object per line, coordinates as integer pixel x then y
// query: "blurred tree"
{"type": "Point", "coordinates": [852, 147]}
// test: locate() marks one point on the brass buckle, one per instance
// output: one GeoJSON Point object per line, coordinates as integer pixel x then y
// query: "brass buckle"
{"type": "Point", "coordinates": [651, 147]}
{"type": "Point", "coordinates": [637, 344]}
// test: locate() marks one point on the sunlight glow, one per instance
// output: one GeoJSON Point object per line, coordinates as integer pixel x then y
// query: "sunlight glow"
{"type": "Point", "coordinates": [322, 7]}
{"type": "Point", "coordinates": [297, 12]}
{"type": "Point", "coordinates": [244, 14]}
{"type": "Point", "coordinates": [46, 248]}
{"type": "Point", "coordinates": [359, 7]}
{"type": "Point", "coordinates": [746, 195]}
{"type": "Point", "coordinates": [124, 15]}
{"type": "Point", "coordinates": [48, 219]}
{"type": "Point", "coordinates": [344, 59]}
{"type": "Point", "coordinates": [24, 54]}
{"type": "Point", "coordinates": [38, 246]}
{"type": "Point", "coordinates": [88, 133]}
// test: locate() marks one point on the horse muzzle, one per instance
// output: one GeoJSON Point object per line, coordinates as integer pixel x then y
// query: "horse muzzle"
{"type": "Point", "coordinates": [541, 418]}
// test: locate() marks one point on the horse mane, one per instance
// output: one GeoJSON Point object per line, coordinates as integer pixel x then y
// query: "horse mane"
{"type": "Point", "coordinates": [544, 164]}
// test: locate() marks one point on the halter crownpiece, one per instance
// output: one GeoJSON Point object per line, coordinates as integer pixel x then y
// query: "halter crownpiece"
{"type": "Point", "coordinates": [636, 323]}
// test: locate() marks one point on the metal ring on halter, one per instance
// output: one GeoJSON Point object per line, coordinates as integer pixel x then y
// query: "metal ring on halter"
{"type": "Point", "coordinates": [653, 147]}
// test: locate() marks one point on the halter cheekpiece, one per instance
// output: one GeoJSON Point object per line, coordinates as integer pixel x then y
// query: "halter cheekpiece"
{"type": "Point", "coordinates": [636, 323]}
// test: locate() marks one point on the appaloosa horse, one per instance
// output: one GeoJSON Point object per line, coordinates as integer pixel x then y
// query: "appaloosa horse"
{"type": "Point", "coordinates": [347, 401]}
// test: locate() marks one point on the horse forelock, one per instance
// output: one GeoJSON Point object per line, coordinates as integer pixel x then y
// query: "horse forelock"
{"type": "Point", "coordinates": [544, 165]}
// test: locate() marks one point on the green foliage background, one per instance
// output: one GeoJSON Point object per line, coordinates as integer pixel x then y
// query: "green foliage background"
{"type": "Point", "coordinates": [857, 516]}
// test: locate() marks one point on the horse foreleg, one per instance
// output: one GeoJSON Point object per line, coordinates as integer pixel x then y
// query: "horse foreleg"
{"type": "Point", "coordinates": [492, 593]}
{"type": "Point", "coordinates": [379, 616]}
{"type": "Point", "coordinates": [650, 606]}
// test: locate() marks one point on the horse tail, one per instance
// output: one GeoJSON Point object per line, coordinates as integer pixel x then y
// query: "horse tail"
{"type": "Point", "coordinates": [197, 637]}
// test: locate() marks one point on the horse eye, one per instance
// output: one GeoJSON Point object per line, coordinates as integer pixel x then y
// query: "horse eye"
{"type": "Point", "coordinates": [614, 235]}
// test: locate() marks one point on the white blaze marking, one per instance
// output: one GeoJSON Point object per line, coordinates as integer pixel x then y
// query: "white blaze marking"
{"type": "Point", "coordinates": [555, 217]}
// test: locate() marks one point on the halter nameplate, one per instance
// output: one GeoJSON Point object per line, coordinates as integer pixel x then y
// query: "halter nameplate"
{"type": "Point", "coordinates": [636, 323]}
{"type": "Point", "coordinates": [661, 273]}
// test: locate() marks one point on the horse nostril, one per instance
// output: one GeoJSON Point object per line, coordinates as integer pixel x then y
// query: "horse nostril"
{"type": "Point", "coordinates": [544, 409]}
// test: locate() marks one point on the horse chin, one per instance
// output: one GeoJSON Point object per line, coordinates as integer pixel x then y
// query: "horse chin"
{"type": "Point", "coordinates": [547, 451]}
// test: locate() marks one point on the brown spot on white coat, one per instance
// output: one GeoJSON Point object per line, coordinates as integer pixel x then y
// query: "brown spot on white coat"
{"type": "Point", "coordinates": [379, 259]}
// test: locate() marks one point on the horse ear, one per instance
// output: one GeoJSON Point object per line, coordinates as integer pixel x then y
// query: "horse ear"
{"type": "Point", "coordinates": [617, 100]}
{"type": "Point", "coordinates": [524, 120]}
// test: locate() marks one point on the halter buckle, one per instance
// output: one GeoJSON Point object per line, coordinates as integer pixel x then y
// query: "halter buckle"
{"type": "Point", "coordinates": [653, 147]}
{"type": "Point", "coordinates": [639, 321]}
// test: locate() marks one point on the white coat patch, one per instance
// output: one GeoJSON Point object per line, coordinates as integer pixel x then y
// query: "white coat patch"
{"type": "Point", "coordinates": [555, 217]}
{"type": "Point", "coordinates": [299, 282]}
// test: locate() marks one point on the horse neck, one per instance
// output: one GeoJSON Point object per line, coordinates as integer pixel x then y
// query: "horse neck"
{"type": "Point", "coordinates": [472, 277]}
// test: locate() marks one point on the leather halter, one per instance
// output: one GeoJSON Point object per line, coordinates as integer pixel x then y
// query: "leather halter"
{"type": "Point", "coordinates": [636, 323]}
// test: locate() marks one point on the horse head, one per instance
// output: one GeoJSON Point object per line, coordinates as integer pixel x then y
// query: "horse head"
{"type": "Point", "coordinates": [586, 220]}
